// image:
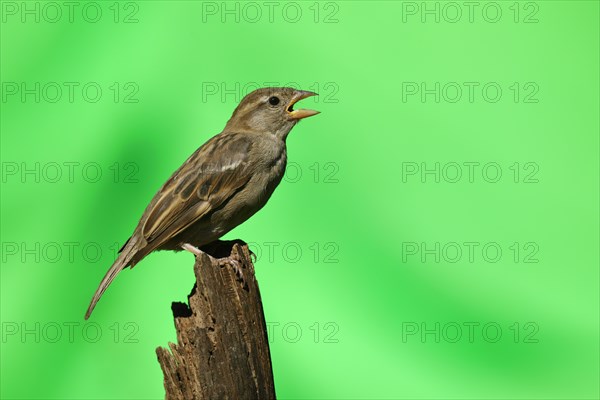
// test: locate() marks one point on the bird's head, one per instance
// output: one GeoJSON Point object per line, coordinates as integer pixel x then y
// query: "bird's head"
{"type": "Point", "coordinates": [270, 110]}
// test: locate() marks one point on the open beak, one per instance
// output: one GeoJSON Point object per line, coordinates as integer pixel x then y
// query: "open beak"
{"type": "Point", "coordinates": [301, 113]}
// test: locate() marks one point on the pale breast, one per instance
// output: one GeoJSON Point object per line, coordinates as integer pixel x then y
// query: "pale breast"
{"type": "Point", "coordinates": [270, 159]}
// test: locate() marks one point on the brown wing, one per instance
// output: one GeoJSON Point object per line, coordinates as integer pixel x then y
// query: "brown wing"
{"type": "Point", "coordinates": [203, 183]}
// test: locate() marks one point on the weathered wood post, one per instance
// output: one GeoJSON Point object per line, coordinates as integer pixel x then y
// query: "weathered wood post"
{"type": "Point", "coordinates": [222, 349]}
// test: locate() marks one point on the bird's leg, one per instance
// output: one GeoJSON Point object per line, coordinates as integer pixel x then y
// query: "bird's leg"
{"type": "Point", "coordinates": [192, 249]}
{"type": "Point", "coordinates": [232, 263]}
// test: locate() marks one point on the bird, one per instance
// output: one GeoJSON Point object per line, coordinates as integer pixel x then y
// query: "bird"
{"type": "Point", "coordinates": [222, 184]}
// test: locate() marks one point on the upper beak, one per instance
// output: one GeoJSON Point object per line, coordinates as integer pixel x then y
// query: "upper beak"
{"type": "Point", "coordinates": [301, 113]}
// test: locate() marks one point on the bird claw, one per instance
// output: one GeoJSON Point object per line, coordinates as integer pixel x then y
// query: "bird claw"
{"type": "Point", "coordinates": [237, 269]}
{"type": "Point", "coordinates": [252, 256]}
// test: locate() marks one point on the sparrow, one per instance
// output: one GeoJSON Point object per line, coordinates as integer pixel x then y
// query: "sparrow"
{"type": "Point", "coordinates": [221, 185]}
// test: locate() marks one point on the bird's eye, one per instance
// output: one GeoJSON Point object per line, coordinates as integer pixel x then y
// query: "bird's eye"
{"type": "Point", "coordinates": [273, 100]}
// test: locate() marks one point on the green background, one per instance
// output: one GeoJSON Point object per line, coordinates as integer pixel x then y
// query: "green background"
{"type": "Point", "coordinates": [356, 312]}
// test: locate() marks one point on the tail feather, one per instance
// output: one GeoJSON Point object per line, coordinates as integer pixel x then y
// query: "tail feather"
{"type": "Point", "coordinates": [123, 261]}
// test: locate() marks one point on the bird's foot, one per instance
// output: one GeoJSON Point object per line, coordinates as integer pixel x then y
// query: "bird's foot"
{"type": "Point", "coordinates": [237, 269]}
{"type": "Point", "coordinates": [192, 249]}
{"type": "Point", "coordinates": [235, 264]}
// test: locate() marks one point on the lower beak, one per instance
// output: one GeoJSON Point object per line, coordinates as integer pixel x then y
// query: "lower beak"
{"type": "Point", "coordinates": [301, 113]}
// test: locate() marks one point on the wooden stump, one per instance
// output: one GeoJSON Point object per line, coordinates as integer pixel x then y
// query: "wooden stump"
{"type": "Point", "coordinates": [222, 349]}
